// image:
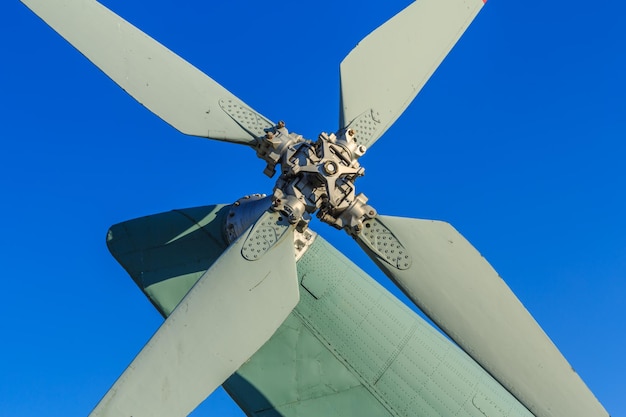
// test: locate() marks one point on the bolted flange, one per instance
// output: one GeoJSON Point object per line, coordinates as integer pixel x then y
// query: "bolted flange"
{"type": "Point", "coordinates": [316, 177]}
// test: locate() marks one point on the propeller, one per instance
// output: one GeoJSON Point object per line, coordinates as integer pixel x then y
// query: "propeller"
{"type": "Point", "coordinates": [224, 320]}
{"type": "Point", "coordinates": [166, 84]}
{"type": "Point", "coordinates": [385, 71]}
{"type": "Point", "coordinates": [446, 277]}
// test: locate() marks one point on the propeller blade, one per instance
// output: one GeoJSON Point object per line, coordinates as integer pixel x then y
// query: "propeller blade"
{"type": "Point", "coordinates": [225, 318]}
{"type": "Point", "coordinates": [167, 85]}
{"type": "Point", "coordinates": [385, 71]}
{"type": "Point", "coordinates": [444, 275]}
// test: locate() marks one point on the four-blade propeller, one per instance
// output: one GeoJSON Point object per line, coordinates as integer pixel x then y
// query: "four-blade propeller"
{"type": "Point", "coordinates": [225, 319]}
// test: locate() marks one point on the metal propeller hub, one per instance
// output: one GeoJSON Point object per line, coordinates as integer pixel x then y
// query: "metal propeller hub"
{"type": "Point", "coordinates": [316, 177]}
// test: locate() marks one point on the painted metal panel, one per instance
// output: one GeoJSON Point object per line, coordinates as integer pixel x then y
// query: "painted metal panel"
{"type": "Point", "coordinates": [349, 347]}
{"type": "Point", "coordinates": [386, 70]}
{"type": "Point", "coordinates": [456, 287]}
{"type": "Point", "coordinates": [167, 253]}
{"type": "Point", "coordinates": [163, 82]}
{"type": "Point", "coordinates": [406, 364]}
{"type": "Point", "coordinates": [228, 315]}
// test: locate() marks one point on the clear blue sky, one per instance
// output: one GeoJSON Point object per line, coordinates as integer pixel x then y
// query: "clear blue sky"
{"type": "Point", "coordinates": [518, 140]}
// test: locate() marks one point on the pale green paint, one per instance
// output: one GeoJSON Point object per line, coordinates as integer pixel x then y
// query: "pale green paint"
{"type": "Point", "coordinates": [295, 374]}
{"type": "Point", "coordinates": [170, 87]}
{"type": "Point", "coordinates": [385, 71]}
{"type": "Point", "coordinates": [349, 348]}
{"type": "Point", "coordinates": [166, 261]}
{"type": "Point", "coordinates": [222, 321]}
{"type": "Point", "coordinates": [455, 286]}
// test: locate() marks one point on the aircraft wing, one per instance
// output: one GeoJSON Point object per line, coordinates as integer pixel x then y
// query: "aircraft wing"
{"type": "Point", "coordinates": [348, 348]}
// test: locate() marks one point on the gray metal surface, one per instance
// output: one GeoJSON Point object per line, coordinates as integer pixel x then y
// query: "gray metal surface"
{"type": "Point", "coordinates": [458, 289]}
{"type": "Point", "coordinates": [227, 316]}
{"type": "Point", "coordinates": [386, 70]}
{"type": "Point", "coordinates": [244, 212]}
{"type": "Point", "coordinates": [316, 176]}
{"type": "Point", "coordinates": [163, 82]}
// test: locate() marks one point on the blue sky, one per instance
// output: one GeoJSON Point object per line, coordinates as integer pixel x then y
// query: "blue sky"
{"type": "Point", "coordinates": [518, 140]}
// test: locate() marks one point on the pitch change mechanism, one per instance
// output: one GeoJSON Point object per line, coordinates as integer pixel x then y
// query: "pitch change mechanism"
{"type": "Point", "coordinates": [316, 177]}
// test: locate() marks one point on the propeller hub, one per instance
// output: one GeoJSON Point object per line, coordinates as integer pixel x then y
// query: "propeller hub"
{"type": "Point", "coordinates": [246, 211]}
{"type": "Point", "coordinates": [316, 177]}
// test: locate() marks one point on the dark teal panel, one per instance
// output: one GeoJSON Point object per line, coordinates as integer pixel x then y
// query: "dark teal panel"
{"type": "Point", "coordinates": [166, 253]}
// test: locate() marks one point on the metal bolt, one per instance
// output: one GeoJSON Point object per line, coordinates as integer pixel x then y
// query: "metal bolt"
{"type": "Point", "coordinates": [330, 168]}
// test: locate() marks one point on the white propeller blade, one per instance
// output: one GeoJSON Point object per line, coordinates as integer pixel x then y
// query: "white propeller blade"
{"type": "Point", "coordinates": [225, 318]}
{"type": "Point", "coordinates": [169, 86]}
{"type": "Point", "coordinates": [444, 275]}
{"type": "Point", "coordinates": [386, 70]}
